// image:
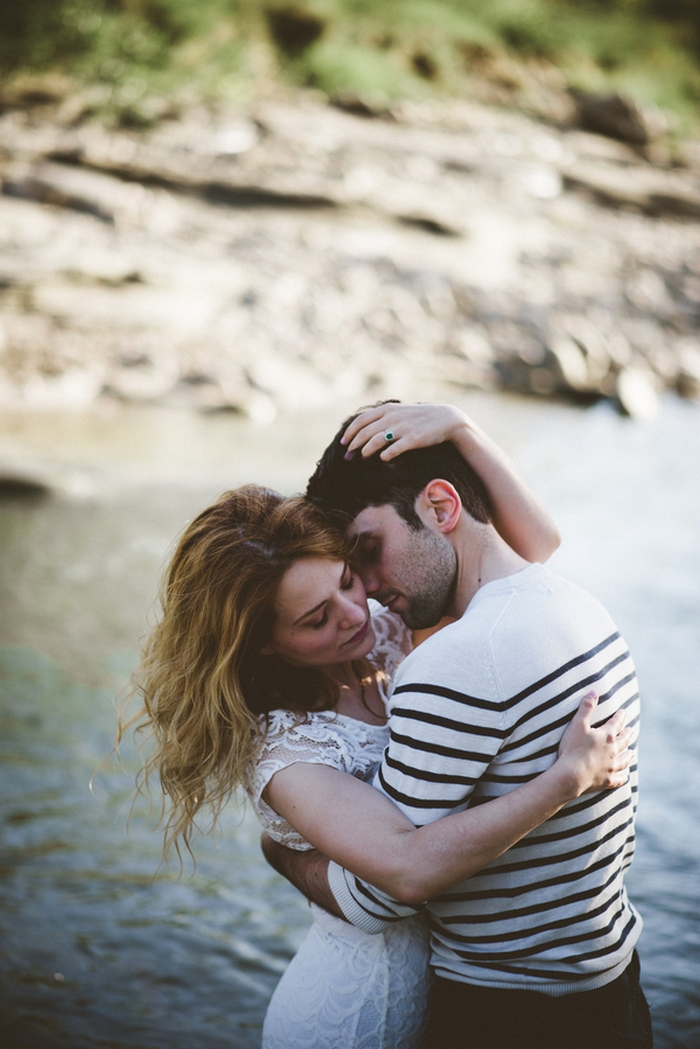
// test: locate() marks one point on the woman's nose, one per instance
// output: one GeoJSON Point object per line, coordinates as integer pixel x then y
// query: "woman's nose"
{"type": "Point", "coordinates": [353, 614]}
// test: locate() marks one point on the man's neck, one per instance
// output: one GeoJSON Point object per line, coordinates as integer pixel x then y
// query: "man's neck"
{"type": "Point", "coordinates": [482, 557]}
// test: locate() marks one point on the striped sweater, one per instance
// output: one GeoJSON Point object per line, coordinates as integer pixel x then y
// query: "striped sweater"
{"type": "Point", "coordinates": [476, 710]}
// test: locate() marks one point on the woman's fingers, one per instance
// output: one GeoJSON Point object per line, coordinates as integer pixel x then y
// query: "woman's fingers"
{"type": "Point", "coordinates": [392, 429]}
{"type": "Point", "coordinates": [364, 419]}
{"type": "Point", "coordinates": [615, 724]}
{"type": "Point", "coordinates": [618, 771]}
{"type": "Point", "coordinates": [382, 436]}
{"type": "Point", "coordinates": [620, 765]}
{"type": "Point", "coordinates": [371, 441]}
{"type": "Point", "coordinates": [623, 753]}
{"type": "Point", "coordinates": [622, 759]}
{"type": "Point", "coordinates": [625, 759]}
{"type": "Point", "coordinates": [587, 706]}
{"type": "Point", "coordinates": [372, 436]}
{"type": "Point", "coordinates": [623, 771]}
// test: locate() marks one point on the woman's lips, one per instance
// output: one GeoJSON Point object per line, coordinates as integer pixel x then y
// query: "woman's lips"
{"type": "Point", "coordinates": [360, 635]}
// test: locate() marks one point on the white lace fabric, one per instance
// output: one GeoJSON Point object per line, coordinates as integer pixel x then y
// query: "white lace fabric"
{"type": "Point", "coordinates": [344, 988]}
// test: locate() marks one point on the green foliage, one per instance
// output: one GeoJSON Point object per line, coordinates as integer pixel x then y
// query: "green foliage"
{"type": "Point", "coordinates": [35, 33]}
{"type": "Point", "coordinates": [337, 67]}
{"type": "Point", "coordinates": [527, 26]}
{"type": "Point", "coordinates": [391, 47]}
{"type": "Point", "coordinates": [43, 33]}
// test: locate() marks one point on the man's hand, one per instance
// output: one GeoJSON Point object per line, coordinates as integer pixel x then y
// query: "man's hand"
{"type": "Point", "coordinates": [307, 871]}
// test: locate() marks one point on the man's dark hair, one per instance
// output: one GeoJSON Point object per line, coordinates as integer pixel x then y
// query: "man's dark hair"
{"type": "Point", "coordinates": [342, 487]}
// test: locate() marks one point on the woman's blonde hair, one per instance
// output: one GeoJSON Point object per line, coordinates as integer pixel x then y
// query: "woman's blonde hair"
{"type": "Point", "coordinates": [202, 678]}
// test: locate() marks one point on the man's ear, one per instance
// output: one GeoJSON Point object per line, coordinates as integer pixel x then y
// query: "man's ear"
{"type": "Point", "coordinates": [440, 501]}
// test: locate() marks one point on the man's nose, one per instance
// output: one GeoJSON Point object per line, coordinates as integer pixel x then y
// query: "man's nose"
{"type": "Point", "coordinates": [370, 580]}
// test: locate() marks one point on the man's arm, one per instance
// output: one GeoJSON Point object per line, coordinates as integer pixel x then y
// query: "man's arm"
{"type": "Point", "coordinates": [307, 871]}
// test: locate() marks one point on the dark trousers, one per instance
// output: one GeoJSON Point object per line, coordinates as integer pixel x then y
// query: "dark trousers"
{"type": "Point", "coordinates": [463, 1016]}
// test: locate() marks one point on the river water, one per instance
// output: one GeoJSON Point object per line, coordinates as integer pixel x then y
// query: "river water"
{"type": "Point", "coordinates": [98, 948]}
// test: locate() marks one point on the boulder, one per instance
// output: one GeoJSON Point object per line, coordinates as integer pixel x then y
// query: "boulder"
{"type": "Point", "coordinates": [618, 117]}
{"type": "Point", "coordinates": [688, 380]}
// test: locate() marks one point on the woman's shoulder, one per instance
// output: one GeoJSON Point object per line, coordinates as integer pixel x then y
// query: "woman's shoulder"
{"type": "Point", "coordinates": [288, 737]}
{"type": "Point", "coordinates": [317, 736]}
{"type": "Point", "coordinates": [285, 725]}
{"type": "Point", "coordinates": [317, 731]}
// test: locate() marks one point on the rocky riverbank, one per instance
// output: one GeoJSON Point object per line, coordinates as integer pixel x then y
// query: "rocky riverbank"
{"type": "Point", "coordinates": [299, 253]}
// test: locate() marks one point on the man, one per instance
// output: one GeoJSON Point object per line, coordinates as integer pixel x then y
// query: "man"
{"type": "Point", "coordinates": [538, 949]}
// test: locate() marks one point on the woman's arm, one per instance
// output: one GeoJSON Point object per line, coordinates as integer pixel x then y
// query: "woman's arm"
{"type": "Point", "coordinates": [359, 827]}
{"type": "Point", "coordinates": [521, 520]}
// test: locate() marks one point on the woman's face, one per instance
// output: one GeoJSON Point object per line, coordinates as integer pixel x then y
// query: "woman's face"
{"type": "Point", "coordinates": [322, 616]}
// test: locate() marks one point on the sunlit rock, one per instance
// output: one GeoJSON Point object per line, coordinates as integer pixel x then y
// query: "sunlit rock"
{"type": "Point", "coordinates": [637, 395]}
{"type": "Point", "coordinates": [688, 383]}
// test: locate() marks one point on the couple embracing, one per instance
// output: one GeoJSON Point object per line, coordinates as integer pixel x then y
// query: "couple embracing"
{"type": "Point", "coordinates": [460, 807]}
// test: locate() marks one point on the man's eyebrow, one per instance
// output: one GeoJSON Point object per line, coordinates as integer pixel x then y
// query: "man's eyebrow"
{"type": "Point", "coordinates": [369, 545]}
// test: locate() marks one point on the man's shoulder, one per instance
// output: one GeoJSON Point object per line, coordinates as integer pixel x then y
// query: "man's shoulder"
{"type": "Point", "coordinates": [506, 624]}
{"type": "Point", "coordinates": [474, 629]}
{"type": "Point", "coordinates": [519, 601]}
{"type": "Point", "coordinates": [455, 658]}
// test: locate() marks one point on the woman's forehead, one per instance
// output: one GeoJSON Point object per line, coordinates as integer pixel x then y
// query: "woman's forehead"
{"type": "Point", "coordinates": [306, 583]}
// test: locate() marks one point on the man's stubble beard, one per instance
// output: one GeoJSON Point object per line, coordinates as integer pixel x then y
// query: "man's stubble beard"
{"type": "Point", "coordinates": [430, 579]}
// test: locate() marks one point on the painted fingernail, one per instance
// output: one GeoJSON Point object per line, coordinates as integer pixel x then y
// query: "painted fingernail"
{"type": "Point", "coordinates": [348, 456]}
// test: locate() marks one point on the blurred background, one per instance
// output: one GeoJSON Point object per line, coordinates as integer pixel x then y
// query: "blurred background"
{"type": "Point", "coordinates": [225, 226]}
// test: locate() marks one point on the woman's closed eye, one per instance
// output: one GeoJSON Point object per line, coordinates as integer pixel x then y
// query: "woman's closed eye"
{"type": "Point", "coordinates": [321, 622]}
{"type": "Point", "coordinates": [348, 580]}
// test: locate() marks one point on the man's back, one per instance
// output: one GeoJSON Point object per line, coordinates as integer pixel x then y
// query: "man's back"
{"type": "Point", "coordinates": [480, 708]}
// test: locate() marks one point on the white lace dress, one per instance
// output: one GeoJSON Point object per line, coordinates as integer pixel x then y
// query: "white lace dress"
{"type": "Point", "coordinates": [344, 988]}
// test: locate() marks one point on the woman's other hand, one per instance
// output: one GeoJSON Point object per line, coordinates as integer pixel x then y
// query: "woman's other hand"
{"type": "Point", "coordinates": [598, 758]}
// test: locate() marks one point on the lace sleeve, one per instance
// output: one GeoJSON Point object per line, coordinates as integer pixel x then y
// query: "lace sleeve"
{"type": "Point", "coordinates": [286, 742]}
{"type": "Point", "coordinates": [323, 738]}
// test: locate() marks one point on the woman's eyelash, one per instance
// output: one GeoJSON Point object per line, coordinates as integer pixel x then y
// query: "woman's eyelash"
{"type": "Point", "coordinates": [347, 585]}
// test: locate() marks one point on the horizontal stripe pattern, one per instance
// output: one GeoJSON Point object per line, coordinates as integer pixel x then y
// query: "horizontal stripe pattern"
{"type": "Point", "coordinates": [553, 911]}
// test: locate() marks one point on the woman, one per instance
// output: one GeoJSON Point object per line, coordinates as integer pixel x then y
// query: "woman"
{"type": "Point", "coordinates": [267, 659]}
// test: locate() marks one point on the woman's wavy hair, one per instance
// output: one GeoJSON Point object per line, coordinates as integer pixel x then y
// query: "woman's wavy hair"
{"type": "Point", "coordinates": [202, 678]}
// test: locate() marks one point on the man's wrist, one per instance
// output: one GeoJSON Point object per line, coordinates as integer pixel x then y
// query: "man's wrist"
{"type": "Point", "coordinates": [307, 870]}
{"type": "Point", "coordinates": [345, 902]}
